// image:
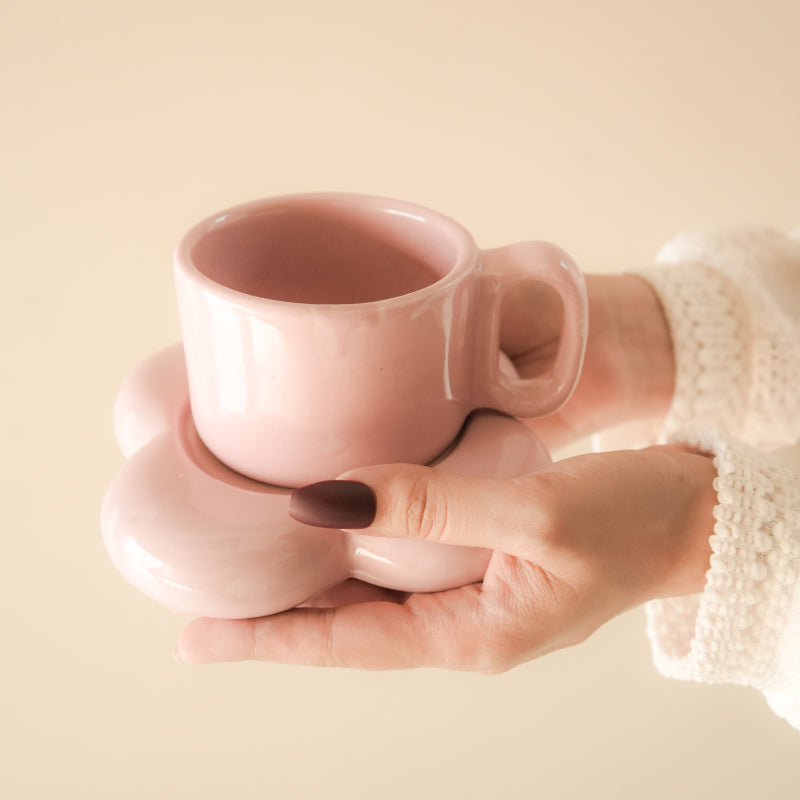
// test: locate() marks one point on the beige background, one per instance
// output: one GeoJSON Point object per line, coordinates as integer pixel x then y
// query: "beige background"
{"type": "Point", "coordinates": [605, 126]}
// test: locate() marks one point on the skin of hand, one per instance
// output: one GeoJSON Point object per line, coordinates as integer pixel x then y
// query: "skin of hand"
{"type": "Point", "coordinates": [574, 545]}
{"type": "Point", "coordinates": [628, 371]}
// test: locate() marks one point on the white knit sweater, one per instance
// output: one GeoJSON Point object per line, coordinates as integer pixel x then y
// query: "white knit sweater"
{"type": "Point", "coordinates": [732, 298]}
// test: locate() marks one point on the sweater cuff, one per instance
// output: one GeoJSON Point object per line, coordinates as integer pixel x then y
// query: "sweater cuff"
{"type": "Point", "coordinates": [733, 317]}
{"type": "Point", "coordinates": [733, 631]}
{"type": "Point", "coordinates": [712, 341]}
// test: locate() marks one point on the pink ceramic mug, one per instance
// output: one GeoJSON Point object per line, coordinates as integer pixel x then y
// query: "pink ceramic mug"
{"type": "Point", "coordinates": [328, 331]}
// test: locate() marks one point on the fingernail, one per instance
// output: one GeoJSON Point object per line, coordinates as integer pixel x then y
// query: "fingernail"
{"type": "Point", "coordinates": [334, 504]}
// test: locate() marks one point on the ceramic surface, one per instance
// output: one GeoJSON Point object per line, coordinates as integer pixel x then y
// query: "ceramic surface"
{"type": "Point", "coordinates": [203, 539]}
{"type": "Point", "coordinates": [325, 332]}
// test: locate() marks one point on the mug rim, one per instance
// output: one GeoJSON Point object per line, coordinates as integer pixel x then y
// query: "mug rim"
{"type": "Point", "coordinates": [465, 257]}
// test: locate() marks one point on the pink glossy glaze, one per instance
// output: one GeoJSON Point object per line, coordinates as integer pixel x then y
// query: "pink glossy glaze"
{"type": "Point", "coordinates": [325, 332]}
{"type": "Point", "coordinates": [196, 536]}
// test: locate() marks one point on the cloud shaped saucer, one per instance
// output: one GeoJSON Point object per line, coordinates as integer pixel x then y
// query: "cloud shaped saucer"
{"type": "Point", "coordinates": [202, 539]}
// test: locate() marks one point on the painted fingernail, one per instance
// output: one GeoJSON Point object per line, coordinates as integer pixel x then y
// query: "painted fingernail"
{"type": "Point", "coordinates": [334, 504]}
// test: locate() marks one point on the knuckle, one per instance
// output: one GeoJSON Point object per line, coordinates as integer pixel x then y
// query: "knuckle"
{"type": "Point", "coordinates": [420, 510]}
{"type": "Point", "coordinates": [497, 655]}
{"type": "Point", "coordinates": [495, 665]}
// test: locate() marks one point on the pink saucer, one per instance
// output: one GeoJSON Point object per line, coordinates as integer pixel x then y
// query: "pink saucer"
{"type": "Point", "coordinates": [204, 540]}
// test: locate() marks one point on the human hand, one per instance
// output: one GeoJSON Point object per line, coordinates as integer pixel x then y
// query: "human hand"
{"type": "Point", "coordinates": [575, 545]}
{"type": "Point", "coordinates": [628, 370]}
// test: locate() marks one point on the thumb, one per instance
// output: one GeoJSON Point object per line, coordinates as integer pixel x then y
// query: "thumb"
{"type": "Point", "coordinates": [419, 503]}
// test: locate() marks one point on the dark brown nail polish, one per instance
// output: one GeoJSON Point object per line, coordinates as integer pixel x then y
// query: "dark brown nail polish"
{"type": "Point", "coordinates": [334, 504]}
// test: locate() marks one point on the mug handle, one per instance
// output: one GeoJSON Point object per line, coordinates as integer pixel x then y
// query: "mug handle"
{"type": "Point", "coordinates": [503, 269]}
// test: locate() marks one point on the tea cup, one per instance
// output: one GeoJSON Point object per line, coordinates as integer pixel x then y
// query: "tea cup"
{"type": "Point", "coordinates": [329, 331]}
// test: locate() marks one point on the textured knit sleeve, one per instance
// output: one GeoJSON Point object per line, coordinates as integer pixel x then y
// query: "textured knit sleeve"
{"type": "Point", "coordinates": [732, 299]}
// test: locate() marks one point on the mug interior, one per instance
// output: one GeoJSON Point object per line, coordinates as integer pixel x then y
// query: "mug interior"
{"type": "Point", "coordinates": [326, 250]}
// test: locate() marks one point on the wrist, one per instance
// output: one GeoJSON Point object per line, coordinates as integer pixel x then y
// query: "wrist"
{"type": "Point", "coordinates": [688, 479]}
{"type": "Point", "coordinates": [629, 365]}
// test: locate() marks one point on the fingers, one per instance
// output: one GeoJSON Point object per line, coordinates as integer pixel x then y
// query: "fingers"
{"type": "Point", "coordinates": [616, 518]}
{"type": "Point", "coordinates": [422, 503]}
{"type": "Point", "coordinates": [574, 545]}
{"type": "Point", "coordinates": [519, 612]}
{"type": "Point", "coordinates": [530, 326]}
{"type": "Point", "coordinates": [429, 630]}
